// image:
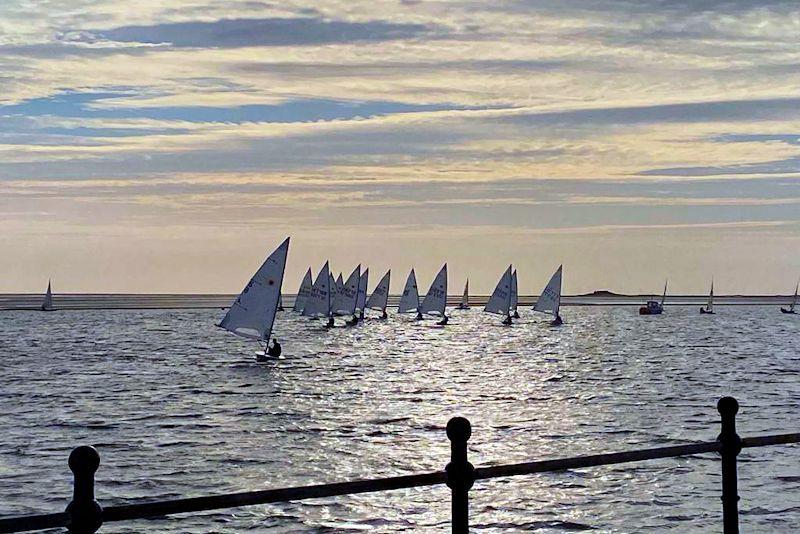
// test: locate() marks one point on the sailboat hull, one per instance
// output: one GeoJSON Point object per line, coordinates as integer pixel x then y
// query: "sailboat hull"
{"type": "Point", "coordinates": [784, 310]}
{"type": "Point", "coordinates": [704, 311]}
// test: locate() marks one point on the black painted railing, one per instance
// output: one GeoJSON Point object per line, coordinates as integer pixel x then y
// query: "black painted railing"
{"type": "Point", "coordinates": [84, 515]}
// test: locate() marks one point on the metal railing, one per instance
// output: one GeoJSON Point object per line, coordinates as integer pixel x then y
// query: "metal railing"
{"type": "Point", "coordinates": [84, 515]}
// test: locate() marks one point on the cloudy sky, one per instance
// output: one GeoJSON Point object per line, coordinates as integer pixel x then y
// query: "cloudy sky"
{"type": "Point", "coordinates": [170, 147]}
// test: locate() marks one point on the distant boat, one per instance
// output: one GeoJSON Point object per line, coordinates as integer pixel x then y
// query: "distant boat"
{"type": "Point", "coordinates": [380, 295]}
{"type": "Point", "coordinates": [709, 307]}
{"type": "Point", "coordinates": [252, 314]}
{"type": "Point", "coordinates": [653, 307]}
{"type": "Point", "coordinates": [783, 310]}
{"type": "Point", "coordinates": [361, 299]}
{"type": "Point", "coordinates": [409, 301]}
{"type": "Point", "coordinates": [464, 304]}
{"type": "Point", "coordinates": [514, 295]}
{"type": "Point", "coordinates": [550, 299]}
{"type": "Point", "coordinates": [318, 303]}
{"type": "Point", "coordinates": [303, 292]}
{"type": "Point", "coordinates": [47, 303]}
{"type": "Point", "coordinates": [500, 301]}
{"type": "Point", "coordinates": [435, 301]}
{"type": "Point", "coordinates": [345, 301]}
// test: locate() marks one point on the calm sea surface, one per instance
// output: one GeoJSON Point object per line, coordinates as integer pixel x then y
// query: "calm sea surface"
{"type": "Point", "coordinates": [177, 407]}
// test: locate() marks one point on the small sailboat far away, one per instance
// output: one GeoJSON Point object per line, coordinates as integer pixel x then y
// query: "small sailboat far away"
{"type": "Point", "coordinates": [435, 301]}
{"type": "Point", "coordinates": [514, 295]}
{"type": "Point", "coordinates": [345, 301]}
{"type": "Point", "coordinates": [47, 303]}
{"type": "Point", "coordinates": [792, 306]}
{"type": "Point", "coordinates": [550, 299]}
{"type": "Point", "coordinates": [361, 298]}
{"type": "Point", "coordinates": [252, 314]}
{"type": "Point", "coordinates": [380, 295]}
{"type": "Point", "coordinates": [318, 303]}
{"type": "Point", "coordinates": [303, 292]}
{"type": "Point", "coordinates": [409, 301]}
{"type": "Point", "coordinates": [464, 304]}
{"type": "Point", "coordinates": [708, 309]}
{"type": "Point", "coordinates": [500, 301]}
{"type": "Point", "coordinates": [653, 307]}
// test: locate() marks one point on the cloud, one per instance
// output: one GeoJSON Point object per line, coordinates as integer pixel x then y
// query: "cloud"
{"type": "Point", "coordinates": [237, 33]}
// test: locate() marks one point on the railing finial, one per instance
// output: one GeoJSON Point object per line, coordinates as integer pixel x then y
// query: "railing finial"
{"type": "Point", "coordinates": [460, 473]}
{"type": "Point", "coordinates": [86, 514]}
{"type": "Point", "coordinates": [730, 447]}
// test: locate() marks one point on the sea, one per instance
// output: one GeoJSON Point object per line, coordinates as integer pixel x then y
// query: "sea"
{"type": "Point", "coordinates": [179, 408]}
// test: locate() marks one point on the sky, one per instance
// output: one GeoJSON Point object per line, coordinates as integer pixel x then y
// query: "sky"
{"type": "Point", "coordinates": [171, 147]}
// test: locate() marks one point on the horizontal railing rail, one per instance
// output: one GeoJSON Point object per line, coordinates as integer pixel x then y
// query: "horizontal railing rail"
{"type": "Point", "coordinates": [84, 515]}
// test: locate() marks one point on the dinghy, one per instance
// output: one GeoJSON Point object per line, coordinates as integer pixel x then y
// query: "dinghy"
{"type": "Point", "coordinates": [791, 308]}
{"type": "Point", "coordinates": [550, 299]}
{"type": "Point", "coordinates": [303, 292]}
{"type": "Point", "coordinates": [361, 298]}
{"type": "Point", "coordinates": [464, 304]}
{"type": "Point", "coordinates": [409, 301]}
{"type": "Point", "coordinates": [318, 303]}
{"type": "Point", "coordinates": [709, 307]}
{"type": "Point", "coordinates": [380, 295]}
{"type": "Point", "coordinates": [653, 307]}
{"type": "Point", "coordinates": [500, 301]}
{"type": "Point", "coordinates": [252, 314]}
{"type": "Point", "coordinates": [435, 300]}
{"type": "Point", "coordinates": [47, 303]}
{"type": "Point", "coordinates": [345, 301]}
{"type": "Point", "coordinates": [514, 295]}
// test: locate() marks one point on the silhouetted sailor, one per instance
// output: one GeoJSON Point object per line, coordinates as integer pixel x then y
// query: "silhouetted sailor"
{"type": "Point", "coordinates": [275, 350]}
{"type": "Point", "coordinates": [557, 321]}
{"type": "Point", "coordinates": [443, 321]}
{"type": "Point", "coordinates": [508, 320]}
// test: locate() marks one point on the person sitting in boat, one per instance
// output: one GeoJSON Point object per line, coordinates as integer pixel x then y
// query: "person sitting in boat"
{"type": "Point", "coordinates": [557, 321]}
{"type": "Point", "coordinates": [384, 315]}
{"type": "Point", "coordinates": [419, 316]}
{"type": "Point", "coordinates": [330, 322]}
{"type": "Point", "coordinates": [444, 320]}
{"type": "Point", "coordinates": [516, 314]}
{"type": "Point", "coordinates": [508, 320]}
{"type": "Point", "coordinates": [275, 350]}
{"type": "Point", "coordinates": [353, 321]}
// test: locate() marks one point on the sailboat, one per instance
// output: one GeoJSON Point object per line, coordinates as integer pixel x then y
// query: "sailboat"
{"type": "Point", "coordinates": [709, 307]}
{"type": "Point", "coordinates": [435, 300]}
{"type": "Point", "coordinates": [252, 314]}
{"type": "Point", "coordinates": [791, 306]}
{"type": "Point", "coordinates": [303, 292]}
{"type": "Point", "coordinates": [653, 307]}
{"type": "Point", "coordinates": [318, 303]}
{"type": "Point", "coordinates": [409, 301]}
{"type": "Point", "coordinates": [500, 301]}
{"type": "Point", "coordinates": [380, 295]}
{"type": "Point", "coordinates": [550, 299]}
{"type": "Point", "coordinates": [339, 284]}
{"type": "Point", "coordinates": [361, 298]}
{"type": "Point", "coordinates": [464, 304]}
{"type": "Point", "coordinates": [514, 295]}
{"type": "Point", "coordinates": [345, 301]}
{"type": "Point", "coordinates": [47, 303]}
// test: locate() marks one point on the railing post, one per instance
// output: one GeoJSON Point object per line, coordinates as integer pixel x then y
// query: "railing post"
{"type": "Point", "coordinates": [731, 446]}
{"type": "Point", "coordinates": [86, 514]}
{"type": "Point", "coordinates": [460, 473]}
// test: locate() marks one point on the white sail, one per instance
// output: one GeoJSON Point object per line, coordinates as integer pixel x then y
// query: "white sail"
{"type": "Point", "coordinates": [47, 304]}
{"type": "Point", "coordinates": [332, 287]}
{"type": "Point", "coordinates": [318, 303]}
{"type": "Point", "coordinates": [500, 301]}
{"type": "Point", "coordinates": [380, 295]}
{"type": "Point", "coordinates": [303, 292]}
{"type": "Point", "coordinates": [435, 299]}
{"type": "Point", "coordinates": [345, 303]}
{"type": "Point", "coordinates": [514, 291]}
{"type": "Point", "coordinates": [253, 312]}
{"type": "Point", "coordinates": [465, 296]}
{"type": "Point", "coordinates": [409, 302]}
{"type": "Point", "coordinates": [664, 296]}
{"type": "Point", "coordinates": [791, 306]}
{"type": "Point", "coordinates": [339, 283]}
{"type": "Point", "coordinates": [550, 299]}
{"type": "Point", "coordinates": [361, 299]}
{"type": "Point", "coordinates": [710, 305]}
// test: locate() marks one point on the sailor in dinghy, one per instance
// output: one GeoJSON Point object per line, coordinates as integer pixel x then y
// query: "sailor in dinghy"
{"type": "Point", "coordinates": [514, 295]}
{"type": "Point", "coordinates": [318, 302]}
{"type": "Point", "coordinates": [361, 298]}
{"type": "Point", "coordinates": [708, 309]}
{"type": "Point", "coordinates": [500, 301]}
{"type": "Point", "coordinates": [409, 301]}
{"type": "Point", "coordinates": [380, 295]}
{"type": "Point", "coordinates": [252, 314]}
{"type": "Point", "coordinates": [792, 306]}
{"type": "Point", "coordinates": [464, 304]}
{"type": "Point", "coordinates": [435, 301]}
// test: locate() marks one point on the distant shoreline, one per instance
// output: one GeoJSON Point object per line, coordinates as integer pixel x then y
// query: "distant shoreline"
{"type": "Point", "coordinates": [163, 301]}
